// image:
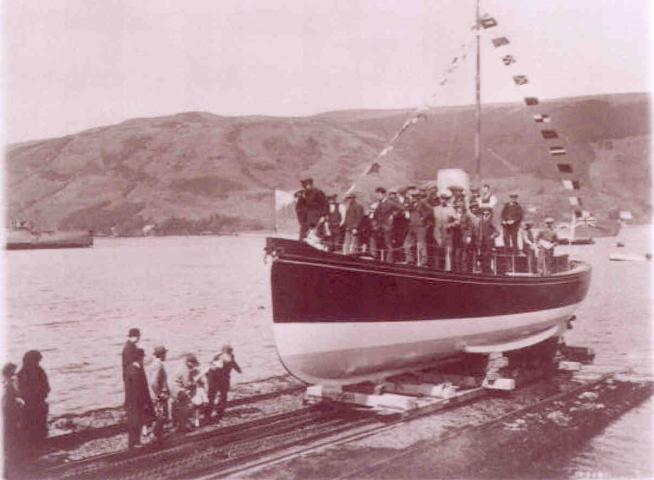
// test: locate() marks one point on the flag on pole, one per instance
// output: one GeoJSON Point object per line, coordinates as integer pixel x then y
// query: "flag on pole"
{"type": "Point", "coordinates": [488, 22]}
{"type": "Point", "coordinates": [531, 101]}
{"type": "Point", "coordinates": [508, 60]}
{"type": "Point", "coordinates": [549, 134]}
{"type": "Point", "coordinates": [520, 79]}
{"type": "Point", "coordinates": [564, 167]}
{"type": "Point", "coordinates": [500, 41]}
{"type": "Point", "coordinates": [557, 151]}
{"type": "Point", "coordinates": [373, 168]}
{"type": "Point", "coordinates": [541, 118]}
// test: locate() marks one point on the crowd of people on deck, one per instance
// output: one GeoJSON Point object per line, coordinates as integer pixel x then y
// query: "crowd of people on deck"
{"type": "Point", "coordinates": [449, 230]}
{"type": "Point", "coordinates": [154, 402]}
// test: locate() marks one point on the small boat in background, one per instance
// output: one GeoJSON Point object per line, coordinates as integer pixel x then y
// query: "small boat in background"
{"type": "Point", "coordinates": [26, 239]}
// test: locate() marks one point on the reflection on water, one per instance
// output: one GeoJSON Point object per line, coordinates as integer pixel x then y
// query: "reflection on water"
{"type": "Point", "coordinates": [195, 293]}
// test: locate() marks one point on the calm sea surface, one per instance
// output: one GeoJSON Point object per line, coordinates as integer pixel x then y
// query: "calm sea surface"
{"type": "Point", "coordinates": [192, 294]}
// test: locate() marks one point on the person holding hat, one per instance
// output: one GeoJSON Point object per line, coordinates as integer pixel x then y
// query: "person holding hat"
{"type": "Point", "coordinates": [546, 240]}
{"type": "Point", "coordinates": [219, 379]}
{"type": "Point", "coordinates": [353, 216]}
{"type": "Point", "coordinates": [314, 206]}
{"type": "Point", "coordinates": [33, 388]}
{"type": "Point", "coordinates": [160, 391]}
{"type": "Point", "coordinates": [511, 217]}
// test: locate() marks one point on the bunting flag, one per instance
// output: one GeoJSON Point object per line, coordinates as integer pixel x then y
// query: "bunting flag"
{"type": "Point", "coordinates": [500, 41]}
{"type": "Point", "coordinates": [549, 134]}
{"type": "Point", "coordinates": [557, 151]}
{"type": "Point", "coordinates": [574, 201]}
{"type": "Point", "coordinates": [587, 219]}
{"type": "Point", "coordinates": [520, 80]}
{"type": "Point", "coordinates": [418, 114]}
{"type": "Point", "coordinates": [488, 22]}
{"type": "Point", "coordinates": [373, 168]}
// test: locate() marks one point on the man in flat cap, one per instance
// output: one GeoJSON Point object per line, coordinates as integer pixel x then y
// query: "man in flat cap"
{"type": "Point", "coordinates": [333, 223]}
{"type": "Point", "coordinates": [444, 218]}
{"type": "Point", "coordinates": [160, 391]}
{"type": "Point", "coordinates": [546, 240]}
{"type": "Point", "coordinates": [314, 207]}
{"type": "Point", "coordinates": [353, 215]}
{"type": "Point", "coordinates": [511, 218]}
{"type": "Point", "coordinates": [383, 217]}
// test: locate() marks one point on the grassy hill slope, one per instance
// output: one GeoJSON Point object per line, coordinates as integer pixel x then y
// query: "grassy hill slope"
{"type": "Point", "coordinates": [196, 171]}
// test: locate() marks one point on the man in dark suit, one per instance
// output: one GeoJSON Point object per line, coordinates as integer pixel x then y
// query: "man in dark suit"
{"type": "Point", "coordinates": [382, 221]}
{"type": "Point", "coordinates": [314, 205]}
{"type": "Point", "coordinates": [511, 219]}
{"type": "Point", "coordinates": [129, 351]}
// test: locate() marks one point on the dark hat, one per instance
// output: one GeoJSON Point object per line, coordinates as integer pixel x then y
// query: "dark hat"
{"type": "Point", "coordinates": [513, 195]}
{"type": "Point", "coordinates": [298, 194]}
{"type": "Point", "coordinates": [332, 197]}
{"type": "Point", "coordinates": [380, 190]}
{"type": "Point", "coordinates": [134, 332]}
{"type": "Point", "coordinates": [32, 357]}
{"type": "Point", "coordinates": [306, 181]}
{"type": "Point", "coordinates": [191, 358]}
{"type": "Point", "coordinates": [159, 350]}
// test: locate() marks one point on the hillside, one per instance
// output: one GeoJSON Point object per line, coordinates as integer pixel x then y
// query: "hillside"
{"type": "Point", "coordinates": [194, 172]}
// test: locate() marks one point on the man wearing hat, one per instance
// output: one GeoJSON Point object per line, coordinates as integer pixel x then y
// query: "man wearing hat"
{"type": "Point", "coordinates": [353, 216]}
{"type": "Point", "coordinates": [129, 350]}
{"type": "Point", "coordinates": [511, 218]}
{"type": "Point", "coordinates": [186, 383]}
{"type": "Point", "coordinates": [485, 238]}
{"type": "Point", "coordinates": [219, 379]}
{"type": "Point", "coordinates": [332, 224]}
{"type": "Point", "coordinates": [529, 244]}
{"type": "Point", "coordinates": [381, 245]}
{"type": "Point", "coordinates": [314, 205]}
{"type": "Point", "coordinates": [160, 390]}
{"type": "Point", "coordinates": [546, 240]}
{"type": "Point", "coordinates": [444, 217]}
{"type": "Point", "coordinates": [420, 216]}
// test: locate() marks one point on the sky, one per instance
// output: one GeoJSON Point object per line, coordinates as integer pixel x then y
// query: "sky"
{"type": "Point", "coordinates": [70, 65]}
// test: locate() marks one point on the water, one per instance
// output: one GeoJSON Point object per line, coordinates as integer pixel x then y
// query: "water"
{"type": "Point", "coordinates": [192, 294]}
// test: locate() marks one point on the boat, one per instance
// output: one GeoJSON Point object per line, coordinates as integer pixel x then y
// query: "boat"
{"type": "Point", "coordinates": [345, 319]}
{"type": "Point", "coordinates": [26, 239]}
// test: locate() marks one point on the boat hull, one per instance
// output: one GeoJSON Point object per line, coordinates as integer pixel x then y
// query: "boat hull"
{"type": "Point", "coordinates": [22, 240]}
{"type": "Point", "coordinates": [340, 320]}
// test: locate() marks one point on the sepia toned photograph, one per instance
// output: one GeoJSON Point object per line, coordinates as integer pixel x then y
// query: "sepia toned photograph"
{"type": "Point", "coordinates": [326, 239]}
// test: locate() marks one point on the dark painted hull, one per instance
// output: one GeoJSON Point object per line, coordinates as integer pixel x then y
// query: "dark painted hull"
{"type": "Point", "coordinates": [404, 315]}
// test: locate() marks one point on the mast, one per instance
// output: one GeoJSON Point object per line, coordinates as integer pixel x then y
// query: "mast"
{"type": "Point", "coordinates": [478, 98]}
